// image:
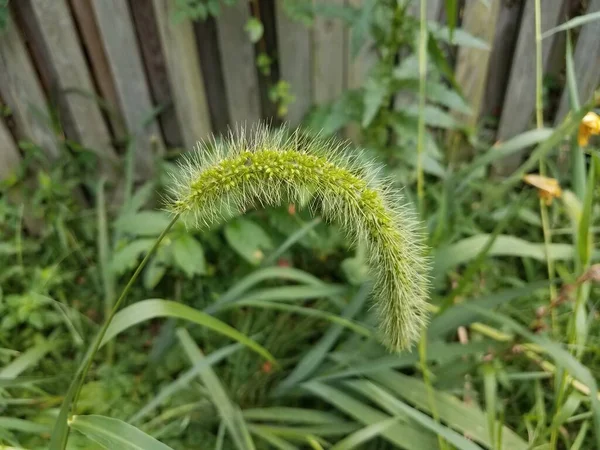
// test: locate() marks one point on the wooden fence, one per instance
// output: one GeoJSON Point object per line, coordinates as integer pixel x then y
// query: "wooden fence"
{"type": "Point", "coordinates": [105, 67]}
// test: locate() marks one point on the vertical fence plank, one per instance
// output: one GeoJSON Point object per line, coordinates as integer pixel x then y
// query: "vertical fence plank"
{"type": "Point", "coordinates": [118, 38]}
{"type": "Point", "coordinates": [328, 57]}
{"type": "Point", "coordinates": [9, 154]}
{"type": "Point", "coordinates": [238, 61]}
{"type": "Point", "coordinates": [90, 37]}
{"type": "Point", "coordinates": [22, 93]}
{"type": "Point", "coordinates": [472, 64]}
{"type": "Point", "coordinates": [295, 65]}
{"type": "Point", "coordinates": [183, 65]}
{"type": "Point", "coordinates": [10, 159]}
{"type": "Point", "coordinates": [586, 61]}
{"type": "Point", "coordinates": [357, 68]}
{"type": "Point", "coordinates": [71, 81]}
{"type": "Point", "coordinates": [146, 27]}
{"type": "Point", "coordinates": [519, 102]}
{"type": "Point", "coordinates": [507, 30]}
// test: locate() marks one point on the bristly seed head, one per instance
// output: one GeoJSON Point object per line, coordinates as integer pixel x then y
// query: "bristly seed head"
{"type": "Point", "coordinates": [267, 168]}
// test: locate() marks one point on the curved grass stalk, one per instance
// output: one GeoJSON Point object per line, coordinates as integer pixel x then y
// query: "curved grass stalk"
{"type": "Point", "coordinates": [264, 168]}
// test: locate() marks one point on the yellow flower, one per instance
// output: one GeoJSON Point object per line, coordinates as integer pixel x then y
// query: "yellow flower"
{"type": "Point", "coordinates": [590, 124]}
{"type": "Point", "coordinates": [548, 188]}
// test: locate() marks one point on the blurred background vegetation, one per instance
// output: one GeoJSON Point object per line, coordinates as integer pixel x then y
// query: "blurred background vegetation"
{"type": "Point", "coordinates": [481, 111]}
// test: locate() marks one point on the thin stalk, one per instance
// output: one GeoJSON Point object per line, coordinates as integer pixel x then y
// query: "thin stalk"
{"type": "Point", "coordinates": [539, 120]}
{"type": "Point", "coordinates": [88, 361]}
{"type": "Point", "coordinates": [430, 392]}
{"type": "Point", "coordinates": [421, 121]}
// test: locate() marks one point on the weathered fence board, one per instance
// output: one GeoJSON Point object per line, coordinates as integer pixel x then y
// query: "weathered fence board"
{"type": "Point", "coordinates": [120, 44]}
{"type": "Point", "coordinates": [471, 69]}
{"type": "Point", "coordinates": [295, 65]}
{"type": "Point", "coordinates": [328, 57]}
{"type": "Point", "coordinates": [503, 47]}
{"type": "Point", "coordinates": [9, 154]}
{"type": "Point", "coordinates": [71, 80]}
{"type": "Point", "coordinates": [146, 27]}
{"type": "Point", "coordinates": [21, 92]}
{"type": "Point", "coordinates": [90, 36]}
{"type": "Point", "coordinates": [586, 61]}
{"type": "Point", "coordinates": [239, 66]}
{"type": "Point", "coordinates": [183, 65]}
{"type": "Point", "coordinates": [519, 102]}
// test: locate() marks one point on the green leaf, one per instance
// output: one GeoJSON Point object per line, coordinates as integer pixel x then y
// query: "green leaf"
{"type": "Point", "coordinates": [314, 357]}
{"type": "Point", "coordinates": [115, 434]}
{"type": "Point", "coordinates": [468, 419]}
{"type": "Point", "coordinates": [502, 150]}
{"type": "Point", "coordinates": [229, 412]}
{"type": "Point", "coordinates": [458, 37]}
{"type": "Point", "coordinates": [560, 356]}
{"type": "Point", "coordinates": [126, 258]}
{"type": "Point", "coordinates": [434, 116]}
{"type": "Point", "coordinates": [143, 223]}
{"type": "Point", "coordinates": [308, 312]}
{"type": "Point", "coordinates": [403, 435]}
{"type": "Point", "coordinates": [248, 239]}
{"type": "Point", "coordinates": [466, 249]}
{"type": "Point", "coordinates": [25, 426]}
{"type": "Point", "coordinates": [573, 23]}
{"type": "Point", "coordinates": [365, 434]}
{"type": "Point", "coordinates": [376, 90]}
{"type": "Point", "coordinates": [242, 286]}
{"type": "Point", "coordinates": [255, 29]}
{"type": "Point", "coordinates": [459, 314]}
{"type": "Point", "coordinates": [452, 15]}
{"type": "Point", "coordinates": [393, 405]}
{"type": "Point", "coordinates": [291, 415]}
{"type": "Point", "coordinates": [28, 359]}
{"type": "Point", "coordinates": [183, 381]}
{"type": "Point", "coordinates": [188, 255]}
{"type": "Point", "coordinates": [153, 308]}
{"type": "Point", "coordinates": [584, 236]}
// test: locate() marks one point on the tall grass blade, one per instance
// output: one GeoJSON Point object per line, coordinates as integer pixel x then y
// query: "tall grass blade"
{"type": "Point", "coordinates": [113, 433]}
{"type": "Point", "coordinates": [153, 308]}
{"type": "Point", "coordinates": [228, 412]}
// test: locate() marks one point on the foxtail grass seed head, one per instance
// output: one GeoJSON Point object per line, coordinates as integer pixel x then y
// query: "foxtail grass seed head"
{"type": "Point", "coordinates": [262, 167]}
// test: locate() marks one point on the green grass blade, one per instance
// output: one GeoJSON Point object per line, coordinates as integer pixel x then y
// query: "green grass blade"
{"type": "Point", "coordinates": [577, 154]}
{"type": "Point", "coordinates": [113, 433]}
{"type": "Point", "coordinates": [313, 358]}
{"type": "Point", "coordinates": [459, 314]}
{"type": "Point", "coordinates": [573, 23]}
{"type": "Point", "coordinates": [468, 419]}
{"type": "Point", "coordinates": [28, 359]}
{"type": "Point", "coordinates": [24, 426]}
{"type": "Point", "coordinates": [153, 308]}
{"type": "Point", "coordinates": [290, 415]}
{"type": "Point", "coordinates": [295, 237]}
{"type": "Point", "coordinates": [404, 435]}
{"type": "Point", "coordinates": [365, 434]}
{"type": "Point", "coordinates": [104, 256]}
{"type": "Point", "coordinates": [229, 412]}
{"type": "Point", "coordinates": [271, 438]}
{"type": "Point", "coordinates": [183, 380]}
{"type": "Point", "coordinates": [490, 389]}
{"type": "Point", "coordinates": [309, 312]}
{"type": "Point", "coordinates": [242, 286]}
{"type": "Point", "coordinates": [500, 151]}
{"type": "Point", "coordinates": [467, 249]}
{"type": "Point", "coordinates": [560, 356]}
{"type": "Point", "coordinates": [393, 405]}
{"type": "Point", "coordinates": [584, 237]}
